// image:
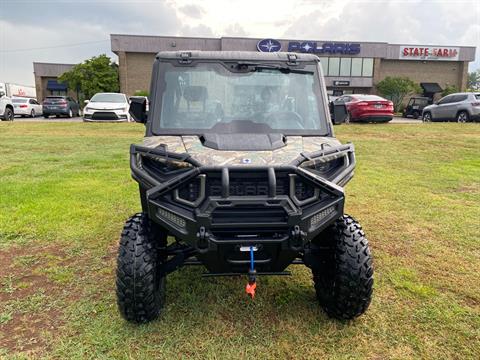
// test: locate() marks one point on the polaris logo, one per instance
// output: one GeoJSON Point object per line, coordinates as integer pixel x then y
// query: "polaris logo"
{"type": "Point", "coordinates": [269, 45]}
{"type": "Point", "coordinates": [325, 48]}
{"type": "Point", "coordinates": [315, 47]}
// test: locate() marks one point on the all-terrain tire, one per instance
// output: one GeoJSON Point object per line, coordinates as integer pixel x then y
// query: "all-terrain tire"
{"type": "Point", "coordinates": [140, 286]}
{"type": "Point", "coordinates": [344, 279]}
{"type": "Point", "coordinates": [8, 115]}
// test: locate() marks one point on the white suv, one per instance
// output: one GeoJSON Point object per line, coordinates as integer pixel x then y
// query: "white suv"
{"type": "Point", "coordinates": [461, 107]}
{"type": "Point", "coordinates": [6, 106]}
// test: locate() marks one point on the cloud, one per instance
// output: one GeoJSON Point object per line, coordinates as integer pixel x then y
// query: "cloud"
{"type": "Point", "coordinates": [414, 22]}
{"type": "Point", "coordinates": [27, 24]}
{"type": "Point", "coordinates": [200, 30]}
{"type": "Point", "coordinates": [235, 30]}
{"type": "Point", "coordinates": [192, 10]}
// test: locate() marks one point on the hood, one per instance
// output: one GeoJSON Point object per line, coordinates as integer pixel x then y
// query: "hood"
{"type": "Point", "coordinates": [294, 145]}
{"type": "Point", "coordinates": [106, 105]}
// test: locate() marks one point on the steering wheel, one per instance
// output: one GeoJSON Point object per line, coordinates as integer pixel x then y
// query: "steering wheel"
{"type": "Point", "coordinates": [280, 118]}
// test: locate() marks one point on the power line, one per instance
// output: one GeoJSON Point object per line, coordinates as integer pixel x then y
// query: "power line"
{"type": "Point", "coordinates": [54, 47]}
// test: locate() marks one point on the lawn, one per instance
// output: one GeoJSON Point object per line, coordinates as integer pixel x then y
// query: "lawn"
{"type": "Point", "coordinates": [65, 191]}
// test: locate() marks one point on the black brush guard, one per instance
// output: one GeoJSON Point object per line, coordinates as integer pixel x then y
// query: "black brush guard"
{"type": "Point", "coordinates": [229, 213]}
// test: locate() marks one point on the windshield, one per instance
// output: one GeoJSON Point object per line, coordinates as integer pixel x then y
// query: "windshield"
{"type": "Point", "coordinates": [208, 97]}
{"type": "Point", "coordinates": [112, 98]}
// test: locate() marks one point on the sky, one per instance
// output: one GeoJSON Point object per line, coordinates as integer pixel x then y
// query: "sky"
{"type": "Point", "coordinates": [70, 31]}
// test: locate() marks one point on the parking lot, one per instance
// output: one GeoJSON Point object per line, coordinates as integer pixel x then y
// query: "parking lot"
{"type": "Point", "coordinates": [396, 120]}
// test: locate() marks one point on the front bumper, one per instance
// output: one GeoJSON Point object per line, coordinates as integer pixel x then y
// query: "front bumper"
{"type": "Point", "coordinates": [279, 210]}
{"type": "Point", "coordinates": [106, 115]}
{"type": "Point", "coordinates": [375, 117]}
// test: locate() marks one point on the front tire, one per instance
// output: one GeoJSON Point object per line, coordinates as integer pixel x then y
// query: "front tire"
{"type": "Point", "coordinates": [462, 117]}
{"type": "Point", "coordinates": [8, 115]}
{"type": "Point", "coordinates": [140, 286]}
{"type": "Point", "coordinates": [427, 117]}
{"type": "Point", "coordinates": [344, 276]}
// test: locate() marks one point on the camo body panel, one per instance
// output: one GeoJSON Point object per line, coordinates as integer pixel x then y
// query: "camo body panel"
{"type": "Point", "coordinates": [211, 157]}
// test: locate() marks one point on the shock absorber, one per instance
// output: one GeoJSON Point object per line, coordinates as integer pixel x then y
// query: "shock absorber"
{"type": "Point", "coordinates": [252, 274]}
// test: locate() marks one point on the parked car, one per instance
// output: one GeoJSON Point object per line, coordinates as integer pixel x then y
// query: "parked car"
{"type": "Point", "coordinates": [6, 106]}
{"type": "Point", "coordinates": [415, 106]}
{"type": "Point", "coordinates": [366, 108]}
{"type": "Point", "coordinates": [60, 106]}
{"type": "Point", "coordinates": [26, 107]}
{"type": "Point", "coordinates": [107, 107]}
{"type": "Point", "coordinates": [461, 107]}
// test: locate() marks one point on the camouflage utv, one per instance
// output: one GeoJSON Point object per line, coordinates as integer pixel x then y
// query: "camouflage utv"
{"type": "Point", "coordinates": [240, 172]}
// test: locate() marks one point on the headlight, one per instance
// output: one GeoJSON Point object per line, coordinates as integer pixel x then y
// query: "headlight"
{"type": "Point", "coordinates": [326, 166]}
{"type": "Point", "coordinates": [161, 167]}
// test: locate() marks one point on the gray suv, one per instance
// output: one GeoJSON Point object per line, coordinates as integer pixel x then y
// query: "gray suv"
{"type": "Point", "coordinates": [461, 107]}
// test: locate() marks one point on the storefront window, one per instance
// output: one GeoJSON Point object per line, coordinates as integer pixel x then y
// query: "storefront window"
{"type": "Point", "coordinates": [324, 62]}
{"type": "Point", "coordinates": [367, 67]}
{"type": "Point", "coordinates": [345, 66]}
{"type": "Point", "coordinates": [357, 67]}
{"type": "Point", "coordinates": [333, 66]}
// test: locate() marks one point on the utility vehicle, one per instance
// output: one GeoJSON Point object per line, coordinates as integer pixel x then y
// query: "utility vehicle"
{"type": "Point", "coordinates": [240, 172]}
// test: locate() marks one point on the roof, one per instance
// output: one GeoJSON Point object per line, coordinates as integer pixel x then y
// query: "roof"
{"type": "Point", "coordinates": [431, 87]}
{"type": "Point", "coordinates": [237, 55]}
{"type": "Point", "coordinates": [50, 69]}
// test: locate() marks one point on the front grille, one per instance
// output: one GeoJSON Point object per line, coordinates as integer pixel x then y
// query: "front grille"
{"type": "Point", "coordinates": [247, 184]}
{"type": "Point", "coordinates": [248, 214]}
{"type": "Point", "coordinates": [104, 115]}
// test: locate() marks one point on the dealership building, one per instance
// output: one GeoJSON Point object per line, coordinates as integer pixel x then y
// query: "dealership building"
{"type": "Point", "coordinates": [349, 67]}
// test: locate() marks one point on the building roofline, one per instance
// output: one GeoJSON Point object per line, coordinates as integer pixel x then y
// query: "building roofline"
{"type": "Point", "coordinates": [49, 63]}
{"type": "Point", "coordinates": [437, 45]}
{"type": "Point", "coordinates": [283, 39]}
{"type": "Point", "coordinates": [166, 36]}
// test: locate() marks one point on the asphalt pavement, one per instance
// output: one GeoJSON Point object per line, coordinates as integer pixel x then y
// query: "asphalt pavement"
{"type": "Point", "coordinates": [396, 120]}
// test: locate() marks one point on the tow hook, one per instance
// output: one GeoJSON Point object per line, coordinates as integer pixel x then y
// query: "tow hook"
{"type": "Point", "coordinates": [252, 273]}
{"type": "Point", "coordinates": [202, 238]}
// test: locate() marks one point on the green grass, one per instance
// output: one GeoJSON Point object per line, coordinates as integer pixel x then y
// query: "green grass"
{"type": "Point", "coordinates": [65, 191]}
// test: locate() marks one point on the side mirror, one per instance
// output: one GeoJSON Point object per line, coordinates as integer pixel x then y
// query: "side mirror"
{"type": "Point", "coordinates": [86, 102]}
{"type": "Point", "coordinates": [138, 109]}
{"type": "Point", "coordinates": [2, 94]}
{"type": "Point", "coordinates": [339, 113]}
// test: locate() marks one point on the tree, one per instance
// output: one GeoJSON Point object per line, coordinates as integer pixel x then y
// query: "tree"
{"type": "Point", "coordinates": [396, 89]}
{"type": "Point", "coordinates": [473, 82]}
{"type": "Point", "coordinates": [449, 89]}
{"type": "Point", "coordinates": [98, 74]}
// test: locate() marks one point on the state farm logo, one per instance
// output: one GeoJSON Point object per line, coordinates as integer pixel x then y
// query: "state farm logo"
{"type": "Point", "coordinates": [428, 53]}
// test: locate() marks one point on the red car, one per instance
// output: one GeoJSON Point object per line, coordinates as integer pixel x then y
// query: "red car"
{"type": "Point", "coordinates": [367, 108]}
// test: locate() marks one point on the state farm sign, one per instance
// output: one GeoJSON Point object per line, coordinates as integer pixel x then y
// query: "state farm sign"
{"type": "Point", "coordinates": [429, 53]}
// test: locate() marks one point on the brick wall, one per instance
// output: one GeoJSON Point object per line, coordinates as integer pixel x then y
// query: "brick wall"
{"type": "Point", "coordinates": [443, 72]}
{"type": "Point", "coordinates": [135, 72]}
